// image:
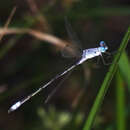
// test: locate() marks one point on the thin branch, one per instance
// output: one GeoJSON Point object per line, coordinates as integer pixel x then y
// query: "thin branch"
{"type": "Point", "coordinates": [8, 21]}
{"type": "Point", "coordinates": [39, 35]}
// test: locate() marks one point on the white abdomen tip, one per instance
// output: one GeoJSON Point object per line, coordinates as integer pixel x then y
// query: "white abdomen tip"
{"type": "Point", "coordinates": [14, 107]}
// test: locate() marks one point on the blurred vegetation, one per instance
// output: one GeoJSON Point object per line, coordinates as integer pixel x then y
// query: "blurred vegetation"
{"type": "Point", "coordinates": [26, 63]}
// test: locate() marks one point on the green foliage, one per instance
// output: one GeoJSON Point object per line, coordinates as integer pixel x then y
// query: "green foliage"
{"type": "Point", "coordinates": [106, 82]}
{"type": "Point", "coordinates": [26, 63]}
{"type": "Point", "coordinates": [124, 67]}
{"type": "Point", "coordinates": [120, 109]}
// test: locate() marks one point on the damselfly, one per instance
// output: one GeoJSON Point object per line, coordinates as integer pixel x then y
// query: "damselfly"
{"type": "Point", "coordinates": [84, 55]}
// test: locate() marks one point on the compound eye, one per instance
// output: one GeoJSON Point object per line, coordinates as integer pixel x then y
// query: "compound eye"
{"type": "Point", "coordinates": [102, 43]}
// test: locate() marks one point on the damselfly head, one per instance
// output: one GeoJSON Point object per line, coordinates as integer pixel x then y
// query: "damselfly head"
{"type": "Point", "coordinates": [103, 47]}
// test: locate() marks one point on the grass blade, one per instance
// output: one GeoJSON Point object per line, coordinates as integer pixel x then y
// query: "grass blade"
{"type": "Point", "coordinates": [107, 81]}
{"type": "Point", "coordinates": [120, 105]}
{"type": "Point", "coordinates": [124, 67]}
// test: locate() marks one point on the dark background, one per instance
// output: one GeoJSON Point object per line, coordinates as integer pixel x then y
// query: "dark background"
{"type": "Point", "coordinates": [29, 62]}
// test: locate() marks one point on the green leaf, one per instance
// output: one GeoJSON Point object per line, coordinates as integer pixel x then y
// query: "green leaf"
{"type": "Point", "coordinates": [106, 83]}
{"type": "Point", "coordinates": [124, 67]}
{"type": "Point", "coordinates": [120, 105]}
